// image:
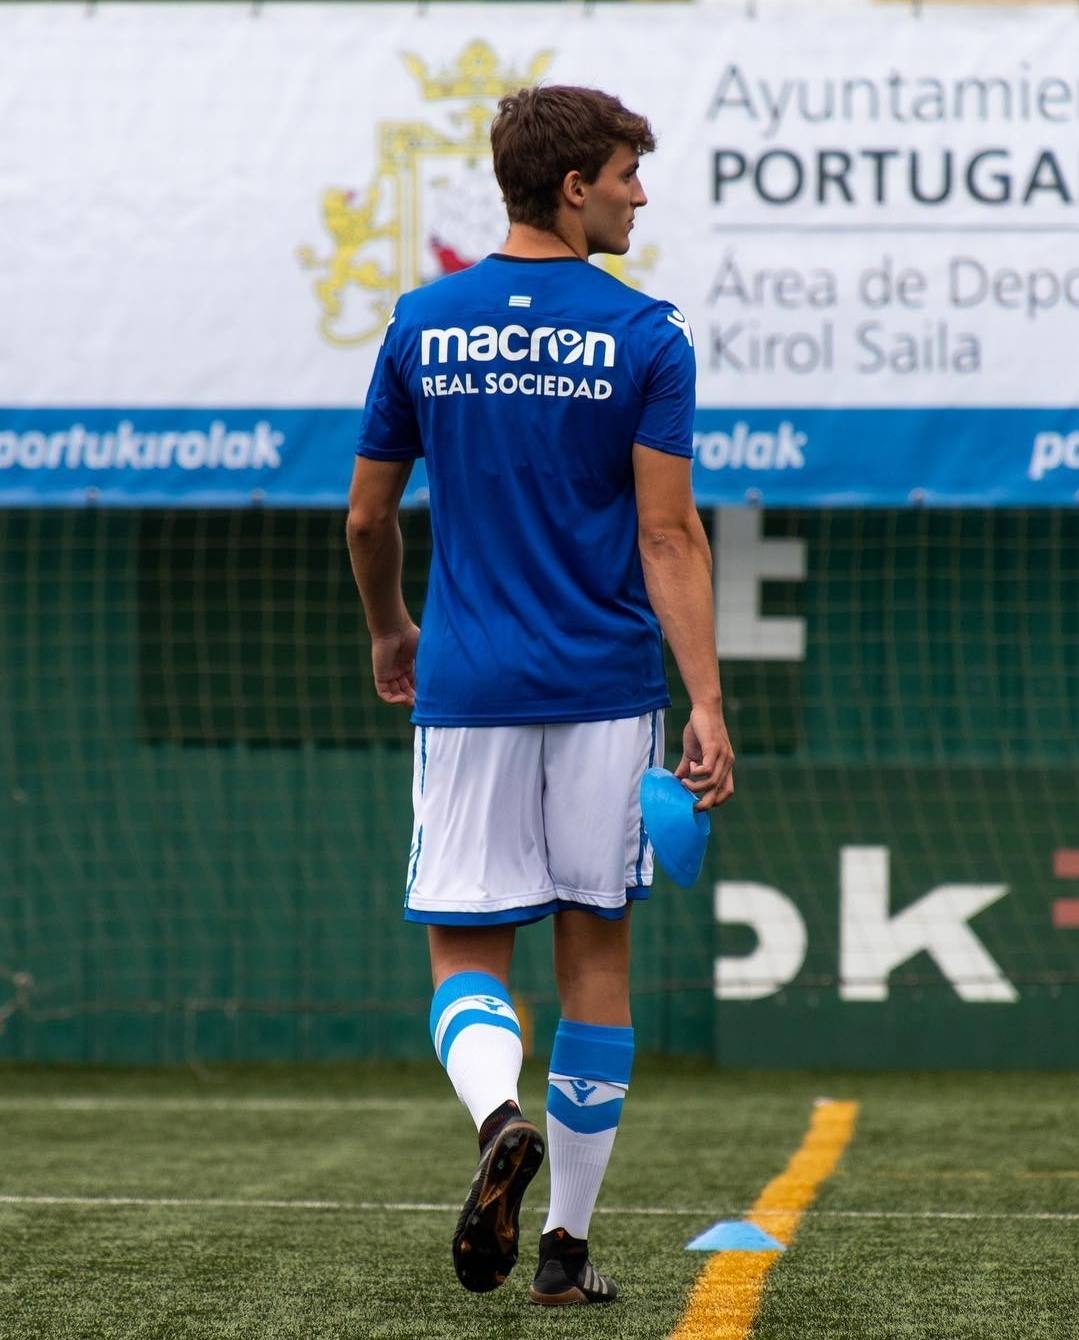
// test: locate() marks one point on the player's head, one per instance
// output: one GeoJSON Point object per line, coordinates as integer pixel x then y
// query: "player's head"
{"type": "Point", "coordinates": [561, 151]}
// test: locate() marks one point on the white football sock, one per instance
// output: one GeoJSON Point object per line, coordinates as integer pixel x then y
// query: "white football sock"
{"type": "Point", "coordinates": [578, 1159]}
{"type": "Point", "coordinates": [478, 1039]}
{"type": "Point", "coordinates": [590, 1069]}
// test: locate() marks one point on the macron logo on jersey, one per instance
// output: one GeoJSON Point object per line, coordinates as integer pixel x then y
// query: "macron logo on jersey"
{"type": "Point", "coordinates": [514, 343]}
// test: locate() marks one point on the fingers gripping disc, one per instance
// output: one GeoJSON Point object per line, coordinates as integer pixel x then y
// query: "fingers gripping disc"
{"type": "Point", "coordinates": [677, 831]}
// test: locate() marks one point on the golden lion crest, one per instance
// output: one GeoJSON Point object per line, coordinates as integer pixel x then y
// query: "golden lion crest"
{"type": "Point", "coordinates": [432, 207]}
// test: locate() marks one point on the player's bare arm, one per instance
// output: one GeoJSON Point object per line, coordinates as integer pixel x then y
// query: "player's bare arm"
{"type": "Point", "coordinates": [677, 566]}
{"type": "Point", "coordinates": [375, 550]}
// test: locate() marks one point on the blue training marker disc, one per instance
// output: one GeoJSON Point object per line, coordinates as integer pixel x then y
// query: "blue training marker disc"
{"type": "Point", "coordinates": [735, 1235]}
{"type": "Point", "coordinates": [677, 831]}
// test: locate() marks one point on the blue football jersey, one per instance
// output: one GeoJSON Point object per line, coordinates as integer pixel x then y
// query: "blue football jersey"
{"type": "Point", "coordinates": [524, 385]}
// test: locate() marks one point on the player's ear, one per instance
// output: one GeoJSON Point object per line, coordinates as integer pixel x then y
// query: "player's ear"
{"type": "Point", "coordinates": [573, 189]}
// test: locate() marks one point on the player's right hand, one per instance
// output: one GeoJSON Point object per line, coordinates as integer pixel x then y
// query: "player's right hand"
{"type": "Point", "coordinates": [393, 660]}
{"type": "Point", "coordinates": [707, 763]}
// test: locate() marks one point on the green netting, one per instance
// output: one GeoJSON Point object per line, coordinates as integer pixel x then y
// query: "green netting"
{"type": "Point", "coordinates": [205, 812]}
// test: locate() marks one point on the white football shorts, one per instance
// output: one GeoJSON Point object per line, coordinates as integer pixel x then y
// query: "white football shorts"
{"type": "Point", "coordinates": [515, 822]}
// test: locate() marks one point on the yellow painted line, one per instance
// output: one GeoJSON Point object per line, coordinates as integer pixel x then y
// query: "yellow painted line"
{"type": "Point", "coordinates": [725, 1299]}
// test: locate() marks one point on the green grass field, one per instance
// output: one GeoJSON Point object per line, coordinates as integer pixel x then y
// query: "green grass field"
{"type": "Point", "coordinates": [953, 1215]}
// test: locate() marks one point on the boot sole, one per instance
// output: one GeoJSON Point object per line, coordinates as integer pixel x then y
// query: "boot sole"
{"type": "Point", "coordinates": [485, 1243]}
{"type": "Point", "coordinates": [565, 1299]}
{"type": "Point", "coordinates": [568, 1298]}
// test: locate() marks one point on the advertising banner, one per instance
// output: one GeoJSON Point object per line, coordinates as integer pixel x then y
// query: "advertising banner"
{"type": "Point", "coordinates": [871, 222]}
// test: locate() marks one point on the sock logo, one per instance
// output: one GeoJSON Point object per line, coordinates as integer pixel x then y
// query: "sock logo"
{"type": "Point", "coordinates": [492, 1003]}
{"type": "Point", "coordinates": [582, 1090]}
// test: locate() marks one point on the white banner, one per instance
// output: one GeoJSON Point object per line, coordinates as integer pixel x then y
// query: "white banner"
{"type": "Point", "coordinates": [208, 207]}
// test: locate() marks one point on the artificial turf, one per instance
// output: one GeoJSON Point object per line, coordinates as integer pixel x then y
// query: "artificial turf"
{"type": "Point", "coordinates": [699, 1143]}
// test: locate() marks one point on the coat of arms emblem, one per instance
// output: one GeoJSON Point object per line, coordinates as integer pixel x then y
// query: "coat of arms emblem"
{"type": "Point", "coordinates": [432, 206]}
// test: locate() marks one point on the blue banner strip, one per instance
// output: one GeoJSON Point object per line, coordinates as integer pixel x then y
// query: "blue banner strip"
{"type": "Point", "coordinates": [237, 457]}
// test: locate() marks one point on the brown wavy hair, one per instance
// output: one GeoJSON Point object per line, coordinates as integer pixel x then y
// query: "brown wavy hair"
{"type": "Point", "coordinates": [539, 134]}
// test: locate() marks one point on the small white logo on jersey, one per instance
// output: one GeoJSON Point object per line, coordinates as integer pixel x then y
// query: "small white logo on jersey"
{"type": "Point", "coordinates": [676, 318]}
{"type": "Point", "coordinates": [520, 300]}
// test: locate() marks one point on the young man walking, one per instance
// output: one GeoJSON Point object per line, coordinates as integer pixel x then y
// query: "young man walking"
{"type": "Point", "coordinates": [554, 408]}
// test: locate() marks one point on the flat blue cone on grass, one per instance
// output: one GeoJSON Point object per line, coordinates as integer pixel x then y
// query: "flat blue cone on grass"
{"type": "Point", "coordinates": [677, 831]}
{"type": "Point", "coordinates": [734, 1235]}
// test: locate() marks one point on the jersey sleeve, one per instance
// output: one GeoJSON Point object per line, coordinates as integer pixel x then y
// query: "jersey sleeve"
{"type": "Point", "coordinates": [670, 387]}
{"type": "Point", "coordinates": [389, 431]}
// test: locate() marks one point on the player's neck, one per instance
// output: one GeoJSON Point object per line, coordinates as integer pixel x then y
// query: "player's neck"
{"type": "Point", "coordinates": [532, 244]}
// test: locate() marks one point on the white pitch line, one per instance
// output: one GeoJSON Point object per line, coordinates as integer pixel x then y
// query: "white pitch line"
{"type": "Point", "coordinates": [94, 1103]}
{"type": "Point", "coordinates": [216, 1203]}
{"type": "Point", "coordinates": [405, 1207]}
{"type": "Point", "coordinates": [434, 1207]}
{"type": "Point", "coordinates": [90, 1104]}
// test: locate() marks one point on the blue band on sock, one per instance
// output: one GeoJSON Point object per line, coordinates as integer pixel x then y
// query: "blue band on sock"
{"type": "Point", "coordinates": [584, 1120]}
{"type": "Point", "coordinates": [465, 984]}
{"type": "Point", "coordinates": [592, 1051]}
{"type": "Point", "coordinates": [467, 1018]}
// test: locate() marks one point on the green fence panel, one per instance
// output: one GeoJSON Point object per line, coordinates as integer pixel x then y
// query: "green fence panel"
{"type": "Point", "coordinates": [205, 813]}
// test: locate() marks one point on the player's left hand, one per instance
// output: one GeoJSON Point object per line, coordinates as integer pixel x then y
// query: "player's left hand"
{"type": "Point", "coordinates": [707, 763]}
{"type": "Point", "coordinates": [393, 660]}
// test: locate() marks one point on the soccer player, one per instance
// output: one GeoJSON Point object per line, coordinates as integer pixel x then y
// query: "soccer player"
{"type": "Point", "coordinates": [554, 408]}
